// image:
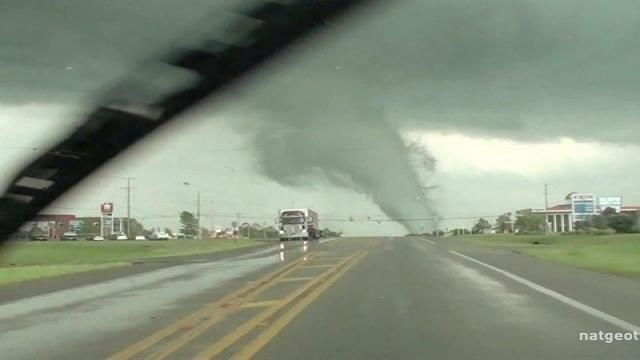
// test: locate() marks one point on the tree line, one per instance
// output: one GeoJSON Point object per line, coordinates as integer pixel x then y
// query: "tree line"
{"type": "Point", "coordinates": [608, 221]}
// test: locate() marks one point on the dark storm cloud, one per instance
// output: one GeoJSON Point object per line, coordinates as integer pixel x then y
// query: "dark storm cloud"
{"type": "Point", "coordinates": [99, 41]}
{"type": "Point", "coordinates": [521, 69]}
{"type": "Point", "coordinates": [490, 66]}
{"type": "Point", "coordinates": [524, 69]}
{"type": "Point", "coordinates": [518, 69]}
{"type": "Point", "coordinates": [487, 66]}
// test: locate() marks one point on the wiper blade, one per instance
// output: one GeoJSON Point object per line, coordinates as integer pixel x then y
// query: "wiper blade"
{"type": "Point", "coordinates": [117, 123]}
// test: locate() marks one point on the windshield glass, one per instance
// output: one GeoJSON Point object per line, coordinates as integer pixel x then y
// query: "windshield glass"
{"type": "Point", "coordinates": [441, 151]}
{"type": "Point", "coordinates": [288, 220]}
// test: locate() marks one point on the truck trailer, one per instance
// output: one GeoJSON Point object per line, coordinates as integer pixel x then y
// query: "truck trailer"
{"type": "Point", "coordinates": [298, 224]}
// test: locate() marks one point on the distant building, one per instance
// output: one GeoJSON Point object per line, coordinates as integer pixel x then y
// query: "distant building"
{"type": "Point", "coordinates": [92, 223]}
{"type": "Point", "coordinates": [578, 207]}
{"type": "Point", "coordinates": [53, 226]}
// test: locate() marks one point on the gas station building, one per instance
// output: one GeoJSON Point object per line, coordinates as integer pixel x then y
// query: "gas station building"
{"type": "Point", "coordinates": [579, 206]}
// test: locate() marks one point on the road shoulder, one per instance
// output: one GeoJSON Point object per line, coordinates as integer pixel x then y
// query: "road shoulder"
{"type": "Point", "coordinates": [613, 294]}
{"type": "Point", "coordinates": [36, 287]}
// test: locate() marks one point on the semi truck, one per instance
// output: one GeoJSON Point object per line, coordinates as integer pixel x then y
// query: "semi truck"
{"type": "Point", "coordinates": [298, 224]}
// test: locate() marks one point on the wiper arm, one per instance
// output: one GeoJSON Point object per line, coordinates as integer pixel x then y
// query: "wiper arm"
{"type": "Point", "coordinates": [115, 125]}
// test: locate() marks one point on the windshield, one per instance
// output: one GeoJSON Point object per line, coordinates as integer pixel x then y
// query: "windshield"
{"type": "Point", "coordinates": [288, 220]}
{"type": "Point", "coordinates": [467, 170]}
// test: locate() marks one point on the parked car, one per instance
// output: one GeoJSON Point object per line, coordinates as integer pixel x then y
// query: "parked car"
{"type": "Point", "coordinates": [69, 236]}
{"type": "Point", "coordinates": [97, 238]}
{"type": "Point", "coordinates": [159, 236]}
{"type": "Point", "coordinates": [183, 236]}
{"type": "Point", "coordinates": [39, 238]}
{"type": "Point", "coordinates": [122, 237]}
{"type": "Point", "coordinates": [141, 237]}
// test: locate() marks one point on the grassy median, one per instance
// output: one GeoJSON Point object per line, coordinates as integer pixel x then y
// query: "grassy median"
{"type": "Point", "coordinates": [616, 254]}
{"type": "Point", "coordinates": [34, 260]}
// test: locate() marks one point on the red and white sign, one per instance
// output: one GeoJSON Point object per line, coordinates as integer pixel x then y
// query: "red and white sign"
{"type": "Point", "coordinates": [106, 208]}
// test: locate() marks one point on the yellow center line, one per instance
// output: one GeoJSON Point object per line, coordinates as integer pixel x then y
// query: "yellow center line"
{"type": "Point", "coordinates": [235, 335]}
{"type": "Point", "coordinates": [329, 257]}
{"type": "Point", "coordinates": [301, 278]}
{"type": "Point", "coordinates": [317, 266]}
{"type": "Point", "coordinates": [195, 317]}
{"type": "Point", "coordinates": [276, 327]}
{"type": "Point", "coordinates": [256, 304]}
{"type": "Point", "coordinates": [229, 307]}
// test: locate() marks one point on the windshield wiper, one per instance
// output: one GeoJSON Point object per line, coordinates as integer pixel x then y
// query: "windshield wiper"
{"type": "Point", "coordinates": [117, 123]}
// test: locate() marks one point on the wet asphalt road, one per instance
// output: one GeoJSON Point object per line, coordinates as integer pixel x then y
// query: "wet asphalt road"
{"type": "Point", "coordinates": [350, 298]}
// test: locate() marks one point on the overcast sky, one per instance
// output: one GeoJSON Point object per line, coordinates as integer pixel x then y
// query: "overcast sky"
{"type": "Point", "coordinates": [496, 98]}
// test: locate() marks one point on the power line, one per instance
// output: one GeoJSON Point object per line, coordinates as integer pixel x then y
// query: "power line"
{"type": "Point", "coordinates": [128, 188]}
{"type": "Point", "coordinates": [325, 217]}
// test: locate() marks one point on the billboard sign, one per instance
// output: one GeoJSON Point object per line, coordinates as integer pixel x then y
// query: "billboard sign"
{"type": "Point", "coordinates": [106, 208]}
{"type": "Point", "coordinates": [614, 202]}
{"type": "Point", "coordinates": [583, 206]}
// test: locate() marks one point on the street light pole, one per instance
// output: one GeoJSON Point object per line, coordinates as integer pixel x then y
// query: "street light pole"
{"type": "Point", "coordinates": [128, 188]}
{"type": "Point", "coordinates": [198, 217]}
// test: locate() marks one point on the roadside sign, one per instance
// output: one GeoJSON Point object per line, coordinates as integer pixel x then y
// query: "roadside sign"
{"type": "Point", "coordinates": [583, 206]}
{"type": "Point", "coordinates": [614, 202]}
{"type": "Point", "coordinates": [106, 208]}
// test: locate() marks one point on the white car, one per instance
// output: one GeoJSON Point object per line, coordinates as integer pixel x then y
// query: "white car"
{"type": "Point", "coordinates": [69, 236]}
{"type": "Point", "coordinates": [141, 237]}
{"type": "Point", "coordinates": [98, 238]}
{"type": "Point", "coordinates": [122, 237]}
{"type": "Point", "coordinates": [160, 236]}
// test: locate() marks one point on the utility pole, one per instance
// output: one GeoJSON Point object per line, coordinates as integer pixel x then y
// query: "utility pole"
{"type": "Point", "coordinates": [198, 215]}
{"type": "Point", "coordinates": [237, 229]}
{"type": "Point", "coordinates": [546, 206]}
{"type": "Point", "coordinates": [546, 196]}
{"type": "Point", "coordinates": [213, 225]}
{"type": "Point", "coordinates": [128, 188]}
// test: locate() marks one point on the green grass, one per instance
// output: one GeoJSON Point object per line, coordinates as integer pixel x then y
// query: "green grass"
{"type": "Point", "coordinates": [34, 260]}
{"type": "Point", "coordinates": [11, 275]}
{"type": "Point", "coordinates": [617, 254]}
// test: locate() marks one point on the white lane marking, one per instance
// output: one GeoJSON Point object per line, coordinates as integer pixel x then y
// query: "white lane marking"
{"type": "Point", "coordinates": [431, 242]}
{"type": "Point", "coordinates": [565, 299]}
